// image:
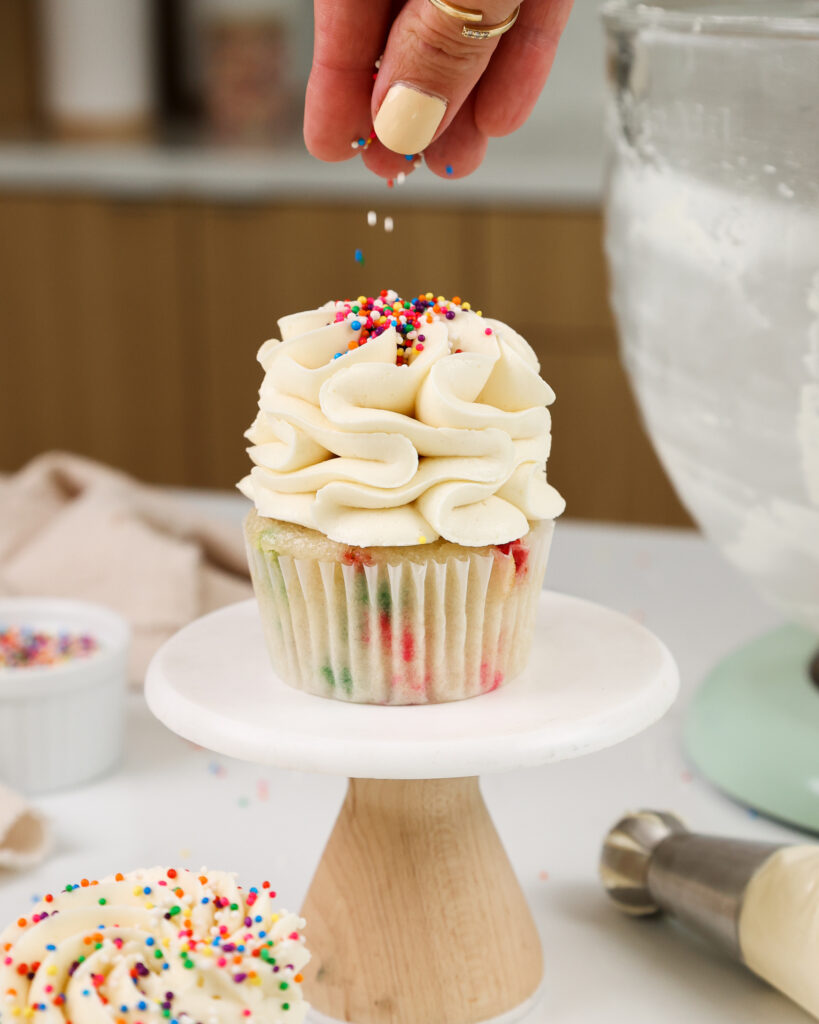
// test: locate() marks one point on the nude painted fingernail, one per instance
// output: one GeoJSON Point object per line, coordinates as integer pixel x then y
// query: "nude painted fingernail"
{"type": "Point", "coordinates": [408, 118]}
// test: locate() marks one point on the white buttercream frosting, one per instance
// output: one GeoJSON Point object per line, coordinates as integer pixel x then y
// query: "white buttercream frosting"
{"type": "Point", "coordinates": [376, 448]}
{"type": "Point", "coordinates": [131, 947]}
{"type": "Point", "coordinates": [779, 924]}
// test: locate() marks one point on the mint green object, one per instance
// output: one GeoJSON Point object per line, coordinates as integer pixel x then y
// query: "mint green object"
{"type": "Point", "coordinates": [753, 727]}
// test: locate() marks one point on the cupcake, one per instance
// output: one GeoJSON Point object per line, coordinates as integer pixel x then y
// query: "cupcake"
{"type": "Point", "coordinates": [155, 946]}
{"type": "Point", "coordinates": [402, 517]}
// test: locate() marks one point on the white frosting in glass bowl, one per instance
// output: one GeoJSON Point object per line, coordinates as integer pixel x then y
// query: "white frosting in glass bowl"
{"type": "Point", "coordinates": [152, 947]}
{"type": "Point", "coordinates": [398, 441]}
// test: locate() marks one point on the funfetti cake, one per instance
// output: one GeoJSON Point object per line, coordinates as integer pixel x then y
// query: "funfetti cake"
{"type": "Point", "coordinates": [160, 946]}
{"type": "Point", "coordinates": [402, 516]}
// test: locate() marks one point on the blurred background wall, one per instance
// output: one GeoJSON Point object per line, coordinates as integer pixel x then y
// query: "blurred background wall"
{"type": "Point", "coordinates": [158, 213]}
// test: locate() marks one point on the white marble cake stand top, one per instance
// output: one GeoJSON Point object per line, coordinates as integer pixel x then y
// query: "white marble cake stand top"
{"type": "Point", "coordinates": [595, 677]}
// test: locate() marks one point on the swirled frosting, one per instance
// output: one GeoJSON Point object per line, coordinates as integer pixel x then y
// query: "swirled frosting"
{"type": "Point", "coordinates": [154, 946]}
{"type": "Point", "coordinates": [386, 422]}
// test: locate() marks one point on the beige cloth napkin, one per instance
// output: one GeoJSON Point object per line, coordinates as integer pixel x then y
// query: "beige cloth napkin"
{"type": "Point", "coordinates": [71, 527]}
{"type": "Point", "coordinates": [25, 836]}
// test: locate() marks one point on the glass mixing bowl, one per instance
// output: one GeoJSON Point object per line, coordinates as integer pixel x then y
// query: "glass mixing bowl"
{"type": "Point", "coordinates": [713, 248]}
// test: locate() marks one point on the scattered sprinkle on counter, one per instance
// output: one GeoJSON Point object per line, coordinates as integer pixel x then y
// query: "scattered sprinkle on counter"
{"type": "Point", "coordinates": [25, 647]}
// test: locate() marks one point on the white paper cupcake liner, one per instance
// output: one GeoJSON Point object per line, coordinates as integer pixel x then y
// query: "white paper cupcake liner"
{"type": "Point", "coordinates": [416, 632]}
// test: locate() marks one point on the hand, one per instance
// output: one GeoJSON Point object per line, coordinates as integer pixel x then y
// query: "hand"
{"type": "Point", "coordinates": [436, 91]}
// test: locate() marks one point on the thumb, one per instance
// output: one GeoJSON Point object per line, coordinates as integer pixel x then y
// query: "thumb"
{"type": "Point", "coordinates": [428, 69]}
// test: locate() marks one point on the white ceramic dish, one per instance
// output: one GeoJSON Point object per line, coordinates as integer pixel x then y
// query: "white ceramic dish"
{"type": "Point", "coordinates": [61, 725]}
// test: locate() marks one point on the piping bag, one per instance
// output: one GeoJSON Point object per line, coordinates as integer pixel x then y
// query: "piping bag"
{"type": "Point", "coordinates": [758, 901]}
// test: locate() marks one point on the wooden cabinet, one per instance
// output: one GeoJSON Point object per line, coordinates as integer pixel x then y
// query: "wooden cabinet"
{"type": "Point", "coordinates": [95, 341]}
{"type": "Point", "coordinates": [128, 329]}
{"type": "Point", "coordinates": [18, 66]}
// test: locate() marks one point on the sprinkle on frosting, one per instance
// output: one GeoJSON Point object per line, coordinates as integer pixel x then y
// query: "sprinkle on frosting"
{"type": "Point", "coordinates": [372, 316]}
{"type": "Point", "coordinates": [155, 946]}
{"type": "Point", "coordinates": [25, 647]}
{"type": "Point", "coordinates": [395, 421]}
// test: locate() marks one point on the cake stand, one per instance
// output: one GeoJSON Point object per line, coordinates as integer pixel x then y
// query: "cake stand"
{"type": "Point", "coordinates": [415, 915]}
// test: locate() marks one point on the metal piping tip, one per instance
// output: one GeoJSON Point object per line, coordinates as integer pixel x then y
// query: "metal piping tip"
{"type": "Point", "coordinates": [626, 856]}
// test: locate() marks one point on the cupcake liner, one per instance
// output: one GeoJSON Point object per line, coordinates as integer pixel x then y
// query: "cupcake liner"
{"type": "Point", "coordinates": [415, 632]}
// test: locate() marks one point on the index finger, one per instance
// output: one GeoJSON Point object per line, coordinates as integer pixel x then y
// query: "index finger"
{"type": "Point", "coordinates": [349, 37]}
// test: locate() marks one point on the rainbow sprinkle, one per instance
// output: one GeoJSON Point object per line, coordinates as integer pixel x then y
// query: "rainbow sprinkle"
{"type": "Point", "coordinates": [23, 647]}
{"type": "Point", "coordinates": [363, 143]}
{"type": "Point", "coordinates": [243, 944]}
{"type": "Point", "coordinates": [371, 316]}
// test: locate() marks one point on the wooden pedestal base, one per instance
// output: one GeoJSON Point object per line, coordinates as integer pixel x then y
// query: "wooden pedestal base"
{"type": "Point", "coordinates": [415, 915]}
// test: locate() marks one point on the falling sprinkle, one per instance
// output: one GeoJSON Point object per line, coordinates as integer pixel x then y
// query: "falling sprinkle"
{"type": "Point", "coordinates": [543, 876]}
{"type": "Point", "coordinates": [449, 169]}
{"type": "Point", "coordinates": [372, 218]}
{"type": "Point", "coordinates": [215, 768]}
{"type": "Point", "coordinates": [263, 789]}
{"type": "Point", "coordinates": [388, 224]}
{"type": "Point", "coordinates": [243, 801]}
{"type": "Point", "coordinates": [359, 256]}
{"type": "Point", "coordinates": [400, 178]}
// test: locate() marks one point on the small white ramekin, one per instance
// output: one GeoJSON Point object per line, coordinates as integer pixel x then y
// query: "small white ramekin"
{"type": "Point", "coordinates": [62, 725]}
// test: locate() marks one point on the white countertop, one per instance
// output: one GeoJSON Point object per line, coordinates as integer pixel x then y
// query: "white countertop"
{"type": "Point", "coordinates": [171, 802]}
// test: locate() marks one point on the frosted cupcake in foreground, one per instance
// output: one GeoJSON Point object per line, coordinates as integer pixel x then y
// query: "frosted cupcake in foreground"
{"type": "Point", "coordinates": [402, 516]}
{"type": "Point", "coordinates": [154, 946]}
